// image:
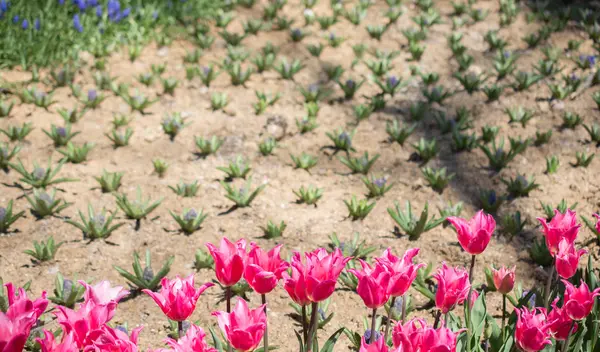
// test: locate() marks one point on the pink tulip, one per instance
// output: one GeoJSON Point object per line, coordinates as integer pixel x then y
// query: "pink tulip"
{"type": "Point", "coordinates": [567, 259]}
{"type": "Point", "coordinates": [409, 335]}
{"type": "Point", "coordinates": [114, 340]}
{"type": "Point", "coordinates": [86, 322]}
{"type": "Point", "coordinates": [243, 327]}
{"type": "Point", "coordinates": [560, 323]}
{"type": "Point", "coordinates": [453, 287]}
{"type": "Point", "coordinates": [504, 279]}
{"type": "Point", "coordinates": [579, 301]}
{"type": "Point", "coordinates": [194, 340]}
{"type": "Point", "coordinates": [177, 298]}
{"type": "Point", "coordinates": [474, 235]}
{"type": "Point", "coordinates": [295, 284]}
{"type": "Point", "coordinates": [403, 270]}
{"type": "Point", "coordinates": [14, 332]}
{"type": "Point", "coordinates": [597, 216]}
{"type": "Point", "coordinates": [372, 284]}
{"type": "Point", "coordinates": [439, 340]}
{"type": "Point", "coordinates": [48, 343]}
{"type": "Point", "coordinates": [264, 269]}
{"type": "Point", "coordinates": [19, 304]}
{"type": "Point", "coordinates": [229, 260]}
{"type": "Point", "coordinates": [377, 346]}
{"type": "Point", "coordinates": [103, 293]}
{"type": "Point", "coordinates": [561, 226]}
{"type": "Point", "coordinates": [321, 272]}
{"type": "Point", "coordinates": [532, 331]}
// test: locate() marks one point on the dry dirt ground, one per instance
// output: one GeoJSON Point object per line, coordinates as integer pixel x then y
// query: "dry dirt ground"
{"type": "Point", "coordinates": [308, 226]}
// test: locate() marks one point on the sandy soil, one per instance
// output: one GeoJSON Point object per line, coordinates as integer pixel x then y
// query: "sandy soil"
{"type": "Point", "coordinates": [308, 227]}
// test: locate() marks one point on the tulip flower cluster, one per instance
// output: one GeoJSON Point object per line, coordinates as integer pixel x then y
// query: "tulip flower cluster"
{"type": "Point", "coordinates": [310, 278]}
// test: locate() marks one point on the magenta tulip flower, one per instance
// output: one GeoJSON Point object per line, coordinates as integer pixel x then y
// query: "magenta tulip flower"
{"type": "Point", "coordinates": [372, 284]}
{"type": "Point", "coordinates": [597, 216]}
{"type": "Point", "coordinates": [561, 226]}
{"type": "Point", "coordinates": [264, 269]}
{"type": "Point", "coordinates": [14, 332]}
{"type": "Point", "coordinates": [409, 335]}
{"type": "Point", "coordinates": [295, 284]}
{"type": "Point", "coordinates": [567, 259]}
{"type": "Point", "coordinates": [177, 298]}
{"type": "Point", "coordinates": [194, 340]}
{"type": "Point", "coordinates": [504, 279]}
{"type": "Point", "coordinates": [243, 327]}
{"type": "Point", "coordinates": [474, 235]}
{"type": "Point", "coordinates": [49, 344]}
{"type": "Point", "coordinates": [229, 260]}
{"type": "Point", "coordinates": [377, 346]}
{"type": "Point", "coordinates": [403, 270]}
{"type": "Point", "coordinates": [114, 340]}
{"type": "Point", "coordinates": [532, 331]}
{"type": "Point", "coordinates": [86, 322]}
{"type": "Point", "coordinates": [322, 270]}
{"type": "Point", "coordinates": [19, 304]}
{"type": "Point", "coordinates": [452, 289]}
{"type": "Point", "coordinates": [103, 293]}
{"type": "Point", "coordinates": [579, 301]}
{"type": "Point", "coordinates": [560, 323]}
{"type": "Point", "coordinates": [439, 340]}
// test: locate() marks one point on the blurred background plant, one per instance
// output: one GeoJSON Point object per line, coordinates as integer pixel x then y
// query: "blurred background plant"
{"type": "Point", "coordinates": [45, 33]}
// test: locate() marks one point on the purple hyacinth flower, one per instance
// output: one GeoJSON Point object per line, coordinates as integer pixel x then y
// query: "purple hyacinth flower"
{"type": "Point", "coordinates": [25, 24]}
{"type": "Point", "coordinates": [155, 15]}
{"type": "Point", "coordinates": [392, 81]}
{"type": "Point", "coordinates": [368, 335]}
{"type": "Point", "coordinates": [190, 215]}
{"type": "Point", "coordinates": [492, 198]}
{"type": "Point", "coordinates": [313, 88]}
{"type": "Point", "coordinates": [92, 95]}
{"type": "Point", "coordinates": [206, 70]}
{"type": "Point", "coordinates": [99, 11]}
{"type": "Point", "coordinates": [37, 24]}
{"type": "Point", "coordinates": [61, 131]}
{"type": "Point", "coordinates": [380, 182]}
{"type": "Point", "coordinates": [61, 2]}
{"type": "Point", "coordinates": [591, 60]}
{"type": "Point", "coordinates": [16, 19]}
{"type": "Point", "coordinates": [126, 12]}
{"type": "Point", "coordinates": [350, 83]}
{"type": "Point", "coordinates": [4, 6]}
{"type": "Point", "coordinates": [296, 33]}
{"type": "Point", "coordinates": [81, 4]}
{"type": "Point", "coordinates": [77, 23]}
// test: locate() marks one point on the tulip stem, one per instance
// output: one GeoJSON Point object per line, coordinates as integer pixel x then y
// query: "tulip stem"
{"type": "Point", "coordinates": [304, 324]}
{"type": "Point", "coordinates": [437, 319]}
{"type": "Point", "coordinates": [266, 335]}
{"type": "Point", "coordinates": [389, 319]}
{"type": "Point", "coordinates": [568, 340]}
{"type": "Point", "coordinates": [503, 316]}
{"type": "Point", "coordinates": [468, 303]}
{"type": "Point", "coordinates": [373, 322]}
{"type": "Point", "coordinates": [313, 326]}
{"type": "Point", "coordinates": [179, 329]}
{"type": "Point", "coordinates": [548, 286]}
{"type": "Point", "coordinates": [404, 307]}
{"type": "Point", "coordinates": [228, 299]}
{"type": "Point", "coordinates": [471, 270]}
